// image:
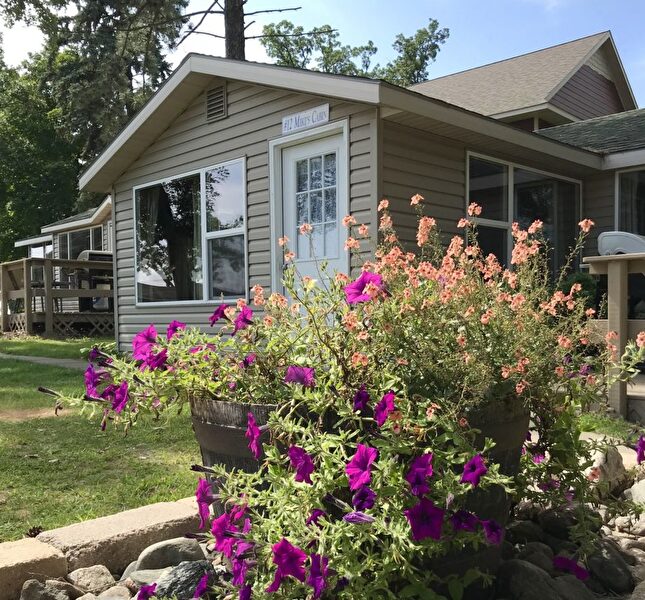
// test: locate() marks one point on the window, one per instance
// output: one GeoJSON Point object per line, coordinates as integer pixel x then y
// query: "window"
{"type": "Point", "coordinates": [631, 202]}
{"type": "Point", "coordinates": [72, 243]}
{"type": "Point", "coordinates": [509, 193]}
{"type": "Point", "coordinates": [191, 236]}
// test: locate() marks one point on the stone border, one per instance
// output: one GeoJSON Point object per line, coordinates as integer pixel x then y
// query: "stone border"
{"type": "Point", "coordinates": [113, 541]}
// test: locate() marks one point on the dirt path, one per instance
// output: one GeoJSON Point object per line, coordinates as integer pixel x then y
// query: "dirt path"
{"type": "Point", "coordinates": [15, 415]}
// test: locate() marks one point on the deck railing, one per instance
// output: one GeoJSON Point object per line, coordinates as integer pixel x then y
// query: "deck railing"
{"type": "Point", "coordinates": [618, 267]}
{"type": "Point", "coordinates": [55, 301]}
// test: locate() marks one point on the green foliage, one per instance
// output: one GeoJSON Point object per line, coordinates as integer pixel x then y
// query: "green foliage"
{"type": "Point", "coordinates": [28, 345]}
{"type": "Point", "coordinates": [321, 49]}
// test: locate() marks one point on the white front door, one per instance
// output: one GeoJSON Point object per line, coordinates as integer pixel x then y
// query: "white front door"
{"type": "Point", "coordinates": [314, 191]}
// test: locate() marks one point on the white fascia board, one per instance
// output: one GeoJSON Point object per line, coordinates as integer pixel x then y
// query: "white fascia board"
{"type": "Point", "coordinates": [623, 160]}
{"type": "Point", "coordinates": [420, 105]}
{"type": "Point", "coordinates": [97, 215]}
{"type": "Point", "coordinates": [535, 108]}
{"type": "Point", "coordinates": [43, 239]}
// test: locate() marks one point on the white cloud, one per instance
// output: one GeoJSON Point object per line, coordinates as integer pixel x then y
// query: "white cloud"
{"type": "Point", "coordinates": [18, 41]}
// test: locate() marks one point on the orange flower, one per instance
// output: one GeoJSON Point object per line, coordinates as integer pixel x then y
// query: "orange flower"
{"type": "Point", "coordinates": [461, 340]}
{"type": "Point", "coordinates": [640, 339]}
{"type": "Point", "coordinates": [463, 422]}
{"type": "Point", "coordinates": [289, 256]}
{"type": "Point", "coordinates": [559, 371]}
{"type": "Point", "coordinates": [590, 312]}
{"type": "Point", "coordinates": [241, 303]}
{"type": "Point", "coordinates": [258, 295]}
{"type": "Point", "coordinates": [348, 221]}
{"type": "Point", "coordinates": [474, 210]}
{"type": "Point", "coordinates": [506, 372]}
{"type": "Point", "coordinates": [386, 222]}
{"type": "Point", "coordinates": [363, 230]}
{"type": "Point", "coordinates": [352, 244]}
{"type": "Point", "coordinates": [416, 199]}
{"type": "Point", "coordinates": [283, 241]}
{"type": "Point", "coordinates": [586, 225]}
{"type": "Point", "coordinates": [268, 321]}
{"type": "Point", "coordinates": [350, 320]}
{"type": "Point", "coordinates": [463, 223]}
{"type": "Point", "coordinates": [359, 359]}
{"type": "Point", "coordinates": [611, 335]}
{"type": "Point", "coordinates": [520, 386]}
{"type": "Point", "coordinates": [362, 336]}
{"type": "Point", "coordinates": [383, 204]}
{"type": "Point", "coordinates": [278, 300]}
{"type": "Point", "coordinates": [306, 228]}
{"type": "Point", "coordinates": [485, 318]}
{"type": "Point", "coordinates": [535, 227]}
{"type": "Point", "coordinates": [423, 233]}
{"type": "Point", "coordinates": [342, 277]}
{"type": "Point", "coordinates": [564, 342]}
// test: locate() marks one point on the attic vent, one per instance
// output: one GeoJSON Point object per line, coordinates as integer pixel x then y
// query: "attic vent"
{"type": "Point", "coordinates": [216, 103]}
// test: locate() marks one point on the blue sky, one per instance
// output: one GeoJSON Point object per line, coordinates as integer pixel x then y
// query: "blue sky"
{"type": "Point", "coordinates": [481, 31]}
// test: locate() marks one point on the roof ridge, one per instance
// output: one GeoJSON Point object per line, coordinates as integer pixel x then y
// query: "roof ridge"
{"type": "Point", "coordinates": [503, 60]}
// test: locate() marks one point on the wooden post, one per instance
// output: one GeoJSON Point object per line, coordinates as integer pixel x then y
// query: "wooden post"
{"type": "Point", "coordinates": [617, 271]}
{"type": "Point", "coordinates": [29, 316]}
{"type": "Point", "coordinates": [49, 299]}
{"type": "Point", "coordinates": [4, 298]}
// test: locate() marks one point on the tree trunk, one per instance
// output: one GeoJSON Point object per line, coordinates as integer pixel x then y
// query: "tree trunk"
{"type": "Point", "coordinates": [234, 29]}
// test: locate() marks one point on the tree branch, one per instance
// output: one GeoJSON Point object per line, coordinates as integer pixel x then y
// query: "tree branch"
{"type": "Point", "coordinates": [219, 37]}
{"type": "Point", "coordinates": [180, 18]}
{"type": "Point", "coordinates": [273, 35]}
{"type": "Point", "coordinates": [271, 10]}
{"type": "Point", "coordinates": [194, 29]}
{"type": "Point", "coordinates": [248, 25]}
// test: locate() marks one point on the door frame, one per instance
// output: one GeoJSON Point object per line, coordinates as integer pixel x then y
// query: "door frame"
{"type": "Point", "coordinates": [276, 146]}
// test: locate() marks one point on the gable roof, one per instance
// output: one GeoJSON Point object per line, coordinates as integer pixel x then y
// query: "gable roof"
{"type": "Point", "coordinates": [87, 218]}
{"type": "Point", "coordinates": [621, 132]}
{"type": "Point", "coordinates": [525, 81]}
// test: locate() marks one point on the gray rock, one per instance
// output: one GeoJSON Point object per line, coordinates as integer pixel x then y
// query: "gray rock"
{"type": "Point", "coordinates": [508, 550]}
{"type": "Point", "coordinates": [521, 532]}
{"type": "Point", "coordinates": [88, 596]}
{"type": "Point", "coordinates": [521, 580]}
{"type": "Point", "coordinates": [147, 576]}
{"type": "Point", "coordinates": [533, 547]}
{"type": "Point", "coordinates": [94, 579]}
{"type": "Point", "coordinates": [638, 573]}
{"type": "Point", "coordinates": [609, 567]}
{"type": "Point", "coordinates": [571, 588]}
{"type": "Point", "coordinates": [559, 545]}
{"type": "Point", "coordinates": [33, 589]}
{"type": "Point", "coordinates": [118, 592]}
{"type": "Point", "coordinates": [607, 470]}
{"type": "Point", "coordinates": [131, 568]}
{"type": "Point", "coordinates": [540, 560]}
{"type": "Point", "coordinates": [639, 592]}
{"type": "Point", "coordinates": [636, 493]}
{"type": "Point", "coordinates": [71, 590]}
{"type": "Point", "coordinates": [170, 553]}
{"type": "Point", "coordinates": [557, 522]}
{"type": "Point", "coordinates": [182, 580]}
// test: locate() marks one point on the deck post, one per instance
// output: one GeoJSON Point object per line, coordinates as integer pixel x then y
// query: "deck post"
{"type": "Point", "coordinates": [4, 298]}
{"type": "Point", "coordinates": [49, 299]}
{"type": "Point", "coordinates": [29, 316]}
{"type": "Point", "coordinates": [617, 271]}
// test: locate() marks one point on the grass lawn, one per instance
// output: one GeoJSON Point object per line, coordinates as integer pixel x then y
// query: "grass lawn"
{"type": "Point", "coordinates": [616, 427]}
{"type": "Point", "coordinates": [55, 471]}
{"type": "Point", "coordinates": [51, 347]}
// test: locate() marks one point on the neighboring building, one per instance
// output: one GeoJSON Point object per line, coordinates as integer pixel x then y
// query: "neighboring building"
{"type": "Point", "coordinates": [228, 156]}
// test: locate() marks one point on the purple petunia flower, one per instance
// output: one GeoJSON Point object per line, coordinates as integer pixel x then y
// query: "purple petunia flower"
{"type": "Point", "coordinates": [248, 360]}
{"type": "Point", "coordinates": [640, 449]}
{"type": "Point", "coordinates": [569, 565]}
{"type": "Point", "coordinates": [361, 399]}
{"type": "Point", "coordinates": [146, 591]}
{"type": "Point", "coordinates": [305, 376]}
{"type": "Point", "coordinates": [94, 354]}
{"type": "Point", "coordinates": [155, 361]}
{"type": "Point", "coordinates": [222, 529]}
{"type": "Point", "coordinates": [253, 434]}
{"type": "Point", "coordinates": [245, 593]}
{"type": "Point", "coordinates": [355, 291]}
{"type": "Point", "coordinates": [425, 520]}
{"type": "Point", "coordinates": [417, 476]}
{"type": "Point", "coordinates": [173, 328]}
{"type": "Point", "coordinates": [474, 469]}
{"type": "Point", "coordinates": [243, 319]}
{"type": "Point", "coordinates": [364, 498]}
{"type": "Point", "coordinates": [318, 572]}
{"type": "Point", "coordinates": [358, 469]}
{"type": "Point", "coordinates": [463, 520]}
{"type": "Point", "coordinates": [316, 514]}
{"type": "Point", "coordinates": [92, 379]}
{"type": "Point", "coordinates": [240, 567]}
{"type": "Point", "coordinates": [584, 370]}
{"type": "Point", "coordinates": [551, 484]}
{"type": "Point", "coordinates": [290, 561]}
{"type": "Point", "coordinates": [204, 497]}
{"type": "Point", "coordinates": [302, 463]}
{"type": "Point", "coordinates": [358, 518]}
{"type": "Point", "coordinates": [121, 397]}
{"type": "Point", "coordinates": [143, 342]}
{"type": "Point", "coordinates": [537, 458]}
{"type": "Point", "coordinates": [384, 407]}
{"type": "Point", "coordinates": [202, 587]}
{"type": "Point", "coordinates": [493, 532]}
{"type": "Point", "coordinates": [220, 313]}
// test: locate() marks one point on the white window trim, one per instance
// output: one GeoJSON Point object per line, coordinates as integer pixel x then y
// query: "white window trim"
{"type": "Point", "coordinates": [68, 233]}
{"type": "Point", "coordinates": [276, 225]}
{"type": "Point", "coordinates": [511, 193]}
{"type": "Point", "coordinates": [204, 236]}
{"type": "Point", "coordinates": [617, 175]}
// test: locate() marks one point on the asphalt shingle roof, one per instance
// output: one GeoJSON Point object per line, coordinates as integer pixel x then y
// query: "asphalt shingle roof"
{"type": "Point", "coordinates": [613, 133]}
{"type": "Point", "coordinates": [511, 84]}
{"type": "Point", "coordinates": [86, 214]}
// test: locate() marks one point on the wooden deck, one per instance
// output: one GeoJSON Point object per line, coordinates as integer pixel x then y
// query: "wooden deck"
{"type": "Point", "coordinates": [71, 297]}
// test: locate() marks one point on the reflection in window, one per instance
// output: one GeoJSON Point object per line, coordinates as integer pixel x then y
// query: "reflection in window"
{"type": "Point", "coordinates": [631, 194]}
{"type": "Point", "coordinates": [225, 197]}
{"type": "Point", "coordinates": [72, 243]}
{"type": "Point", "coordinates": [226, 266]}
{"type": "Point", "coordinates": [489, 188]}
{"type": "Point", "coordinates": [169, 241]}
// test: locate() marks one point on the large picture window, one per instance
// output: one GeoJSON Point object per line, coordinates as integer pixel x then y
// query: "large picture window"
{"type": "Point", "coordinates": [631, 201]}
{"type": "Point", "coordinates": [191, 236]}
{"type": "Point", "coordinates": [508, 193]}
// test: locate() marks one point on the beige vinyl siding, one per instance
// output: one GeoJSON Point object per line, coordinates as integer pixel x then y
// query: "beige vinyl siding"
{"type": "Point", "coordinates": [414, 162]}
{"type": "Point", "coordinates": [598, 205]}
{"type": "Point", "coordinates": [254, 117]}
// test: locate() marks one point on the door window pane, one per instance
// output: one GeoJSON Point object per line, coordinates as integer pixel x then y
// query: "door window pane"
{"type": "Point", "coordinates": [225, 197]}
{"type": "Point", "coordinates": [169, 256]}
{"type": "Point", "coordinates": [226, 267]}
{"type": "Point", "coordinates": [493, 240]}
{"type": "Point", "coordinates": [97, 238]}
{"type": "Point", "coordinates": [488, 187]}
{"type": "Point", "coordinates": [631, 196]}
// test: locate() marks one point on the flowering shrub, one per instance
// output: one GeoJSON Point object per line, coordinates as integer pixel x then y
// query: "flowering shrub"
{"type": "Point", "coordinates": [379, 383]}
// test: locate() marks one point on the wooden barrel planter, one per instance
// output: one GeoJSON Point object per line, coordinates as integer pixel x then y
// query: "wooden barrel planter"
{"type": "Point", "coordinates": [220, 429]}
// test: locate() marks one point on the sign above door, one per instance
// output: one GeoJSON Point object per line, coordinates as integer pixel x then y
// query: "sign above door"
{"type": "Point", "coordinates": [305, 119]}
